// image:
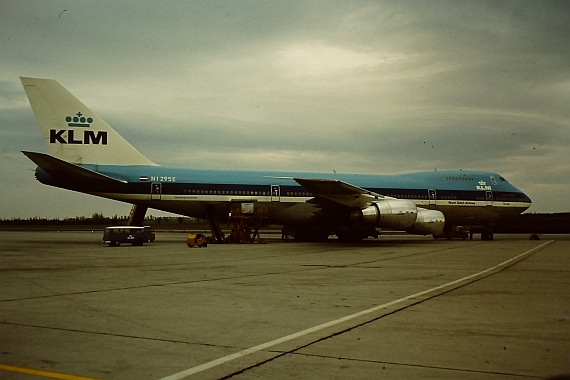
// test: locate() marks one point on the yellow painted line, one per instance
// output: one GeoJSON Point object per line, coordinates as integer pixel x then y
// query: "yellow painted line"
{"type": "Point", "coordinates": [35, 372]}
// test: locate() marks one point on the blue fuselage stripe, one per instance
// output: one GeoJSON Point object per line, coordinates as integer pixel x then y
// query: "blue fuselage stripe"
{"type": "Point", "coordinates": [447, 185]}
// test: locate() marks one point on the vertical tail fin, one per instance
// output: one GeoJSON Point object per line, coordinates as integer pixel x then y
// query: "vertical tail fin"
{"type": "Point", "coordinates": [73, 132]}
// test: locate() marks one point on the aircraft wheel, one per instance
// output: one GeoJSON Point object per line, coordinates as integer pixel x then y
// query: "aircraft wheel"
{"type": "Point", "coordinates": [350, 237]}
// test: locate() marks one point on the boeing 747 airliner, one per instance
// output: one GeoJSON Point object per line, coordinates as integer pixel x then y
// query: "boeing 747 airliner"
{"type": "Point", "coordinates": [88, 156]}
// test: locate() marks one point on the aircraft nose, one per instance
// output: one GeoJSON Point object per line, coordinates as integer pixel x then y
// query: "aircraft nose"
{"type": "Point", "coordinates": [526, 199]}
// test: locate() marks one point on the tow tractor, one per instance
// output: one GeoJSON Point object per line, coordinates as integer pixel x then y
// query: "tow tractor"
{"type": "Point", "coordinates": [197, 240]}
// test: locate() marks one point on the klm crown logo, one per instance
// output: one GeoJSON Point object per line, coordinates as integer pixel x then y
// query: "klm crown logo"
{"type": "Point", "coordinates": [73, 136]}
{"type": "Point", "coordinates": [483, 186]}
{"type": "Point", "coordinates": [79, 120]}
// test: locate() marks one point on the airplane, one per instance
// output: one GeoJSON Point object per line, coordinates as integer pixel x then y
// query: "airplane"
{"type": "Point", "coordinates": [88, 156]}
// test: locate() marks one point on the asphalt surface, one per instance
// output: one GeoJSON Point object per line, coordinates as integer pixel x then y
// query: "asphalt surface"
{"type": "Point", "coordinates": [399, 307]}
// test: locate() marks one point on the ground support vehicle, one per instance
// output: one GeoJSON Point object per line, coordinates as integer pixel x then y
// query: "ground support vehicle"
{"type": "Point", "coordinates": [197, 240]}
{"type": "Point", "coordinates": [116, 235]}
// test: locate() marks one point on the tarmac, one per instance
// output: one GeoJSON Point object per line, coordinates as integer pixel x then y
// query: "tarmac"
{"type": "Point", "coordinates": [397, 307]}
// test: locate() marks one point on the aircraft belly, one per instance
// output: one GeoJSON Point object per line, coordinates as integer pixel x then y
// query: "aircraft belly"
{"type": "Point", "coordinates": [196, 208]}
{"type": "Point", "coordinates": [294, 214]}
{"type": "Point", "coordinates": [473, 215]}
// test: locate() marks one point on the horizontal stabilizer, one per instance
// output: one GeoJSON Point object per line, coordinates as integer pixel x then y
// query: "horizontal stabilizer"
{"type": "Point", "coordinates": [59, 168]}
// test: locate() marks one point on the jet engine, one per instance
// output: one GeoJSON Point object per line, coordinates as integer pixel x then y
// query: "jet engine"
{"type": "Point", "coordinates": [428, 222]}
{"type": "Point", "coordinates": [399, 214]}
{"type": "Point", "coordinates": [391, 213]}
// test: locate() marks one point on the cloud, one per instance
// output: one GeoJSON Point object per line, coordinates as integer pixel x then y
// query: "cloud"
{"type": "Point", "coordinates": [373, 87]}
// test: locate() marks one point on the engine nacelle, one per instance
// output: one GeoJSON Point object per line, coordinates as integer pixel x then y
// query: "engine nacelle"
{"type": "Point", "coordinates": [428, 222]}
{"type": "Point", "coordinates": [391, 213]}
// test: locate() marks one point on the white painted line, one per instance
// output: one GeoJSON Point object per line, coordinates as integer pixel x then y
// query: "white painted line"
{"type": "Point", "coordinates": [263, 346]}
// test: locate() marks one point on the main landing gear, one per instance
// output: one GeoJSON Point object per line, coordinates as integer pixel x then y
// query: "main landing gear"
{"type": "Point", "coordinates": [136, 218]}
{"type": "Point", "coordinates": [457, 232]}
{"type": "Point", "coordinates": [487, 234]}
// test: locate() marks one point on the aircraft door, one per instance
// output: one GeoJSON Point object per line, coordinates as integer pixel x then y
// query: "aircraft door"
{"type": "Point", "coordinates": [275, 193]}
{"type": "Point", "coordinates": [155, 190]}
{"type": "Point", "coordinates": [489, 198]}
{"type": "Point", "coordinates": [432, 195]}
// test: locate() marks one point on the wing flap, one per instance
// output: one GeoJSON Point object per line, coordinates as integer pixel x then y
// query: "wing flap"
{"type": "Point", "coordinates": [339, 192]}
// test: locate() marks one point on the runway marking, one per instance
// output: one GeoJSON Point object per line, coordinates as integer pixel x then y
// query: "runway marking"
{"type": "Point", "coordinates": [214, 363]}
{"type": "Point", "coordinates": [35, 372]}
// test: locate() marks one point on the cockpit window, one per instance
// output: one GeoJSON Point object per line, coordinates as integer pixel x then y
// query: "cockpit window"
{"type": "Point", "coordinates": [502, 179]}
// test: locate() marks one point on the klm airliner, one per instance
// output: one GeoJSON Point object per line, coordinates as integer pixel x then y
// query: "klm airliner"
{"type": "Point", "coordinates": [88, 156]}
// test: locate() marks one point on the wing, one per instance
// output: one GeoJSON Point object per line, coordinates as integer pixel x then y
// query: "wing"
{"type": "Point", "coordinates": [333, 190]}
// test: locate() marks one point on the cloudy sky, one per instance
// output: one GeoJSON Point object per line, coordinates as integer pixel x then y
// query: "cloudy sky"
{"type": "Point", "coordinates": [365, 86]}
